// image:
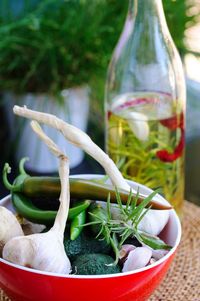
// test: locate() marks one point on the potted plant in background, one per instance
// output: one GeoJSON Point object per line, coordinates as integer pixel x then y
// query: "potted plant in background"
{"type": "Point", "coordinates": [51, 52]}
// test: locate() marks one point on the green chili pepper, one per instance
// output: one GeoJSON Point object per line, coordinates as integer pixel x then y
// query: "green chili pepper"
{"type": "Point", "coordinates": [153, 241]}
{"type": "Point", "coordinates": [79, 188]}
{"type": "Point", "coordinates": [77, 223]}
{"type": "Point", "coordinates": [26, 208]}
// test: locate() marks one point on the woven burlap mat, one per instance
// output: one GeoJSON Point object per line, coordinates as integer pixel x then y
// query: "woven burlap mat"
{"type": "Point", "coordinates": [182, 282]}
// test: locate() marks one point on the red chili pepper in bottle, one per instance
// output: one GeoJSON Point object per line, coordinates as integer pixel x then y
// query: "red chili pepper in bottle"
{"type": "Point", "coordinates": [109, 113]}
{"type": "Point", "coordinates": [166, 156]}
{"type": "Point", "coordinates": [174, 122]}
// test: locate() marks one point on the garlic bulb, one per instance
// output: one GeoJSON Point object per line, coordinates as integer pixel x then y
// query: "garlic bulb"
{"type": "Point", "coordinates": [138, 258]}
{"type": "Point", "coordinates": [45, 251]}
{"type": "Point", "coordinates": [38, 251]}
{"type": "Point", "coordinates": [152, 222]}
{"type": "Point", "coordinates": [9, 227]}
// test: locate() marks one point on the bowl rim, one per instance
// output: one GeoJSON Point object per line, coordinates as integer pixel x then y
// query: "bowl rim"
{"type": "Point", "coordinates": [137, 271]}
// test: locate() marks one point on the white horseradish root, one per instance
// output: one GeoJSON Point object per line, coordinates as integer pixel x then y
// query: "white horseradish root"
{"type": "Point", "coordinates": [82, 140]}
{"type": "Point", "coordinates": [45, 251]}
{"type": "Point", "coordinates": [78, 138]}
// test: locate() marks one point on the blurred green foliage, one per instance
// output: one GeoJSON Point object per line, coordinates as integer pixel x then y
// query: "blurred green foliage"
{"type": "Point", "coordinates": [180, 15]}
{"type": "Point", "coordinates": [49, 45]}
{"type": "Point", "coordinates": [58, 44]}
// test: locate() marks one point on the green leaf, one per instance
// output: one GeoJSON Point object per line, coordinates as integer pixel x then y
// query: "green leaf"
{"type": "Point", "coordinates": [134, 201]}
{"type": "Point", "coordinates": [119, 202]}
{"type": "Point", "coordinates": [114, 244]}
{"type": "Point", "coordinates": [129, 200]}
{"type": "Point", "coordinates": [138, 210]}
{"type": "Point", "coordinates": [153, 242]}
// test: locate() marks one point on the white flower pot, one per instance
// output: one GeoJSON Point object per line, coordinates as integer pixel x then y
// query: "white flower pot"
{"type": "Point", "coordinates": [73, 108]}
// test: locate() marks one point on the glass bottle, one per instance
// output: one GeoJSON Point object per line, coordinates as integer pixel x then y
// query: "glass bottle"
{"type": "Point", "coordinates": [145, 103]}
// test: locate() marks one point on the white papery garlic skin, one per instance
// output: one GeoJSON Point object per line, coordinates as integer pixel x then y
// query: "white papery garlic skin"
{"type": "Point", "coordinates": [31, 228]}
{"type": "Point", "coordinates": [42, 252]}
{"type": "Point", "coordinates": [125, 250]}
{"type": "Point", "coordinates": [154, 221]}
{"type": "Point", "coordinates": [152, 261]}
{"type": "Point", "coordinates": [138, 258]}
{"type": "Point", "coordinates": [9, 227]}
{"type": "Point", "coordinates": [158, 254]}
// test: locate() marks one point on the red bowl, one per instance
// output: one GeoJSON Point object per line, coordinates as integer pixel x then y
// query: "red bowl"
{"type": "Point", "coordinates": [24, 284]}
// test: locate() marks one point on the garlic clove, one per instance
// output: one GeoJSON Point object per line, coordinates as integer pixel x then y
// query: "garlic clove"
{"type": "Point", "coordinates": [9, 227]}
{"type": "Point", "coordinates": [31, 228]}
{"type": "Point", "coordinates": [152, 260]}
{"type": "Point", "coordinates": [137, 259]}
{"type": "Point", "coordinates": [154, 221]}
{"type": "Point", "coordinates": [158, 254]}
{"type": "Point", "coordinates": [138, 124]}
{"type": "Point", "coordinates": [124, 251]}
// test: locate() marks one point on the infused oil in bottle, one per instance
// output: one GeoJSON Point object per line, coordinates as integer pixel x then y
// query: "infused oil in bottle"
{"type": "Point", "coordinates": [145, 103]}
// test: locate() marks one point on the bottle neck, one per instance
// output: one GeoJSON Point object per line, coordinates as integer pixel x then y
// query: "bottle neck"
{"type": "Point", "coordinates": [147, 10]}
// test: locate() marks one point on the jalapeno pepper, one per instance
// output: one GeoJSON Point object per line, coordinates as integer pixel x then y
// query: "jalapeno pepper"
{"type": "Point", "coordinates": [26, 208]}
{"type": "Point", "coordinates": [77, 223]}
{"type": "Point", "coordinates": [79, 189]}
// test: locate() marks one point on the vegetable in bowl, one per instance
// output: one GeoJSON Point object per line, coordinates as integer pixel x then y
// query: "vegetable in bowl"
{"type": "Point", "coordinates": [46, 252]}
{"type": "Point", "coordinates": [87, 242]}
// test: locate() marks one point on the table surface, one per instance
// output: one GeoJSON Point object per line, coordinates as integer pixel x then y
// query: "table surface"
{"type": "Point", "coordinates": [182, 282]}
